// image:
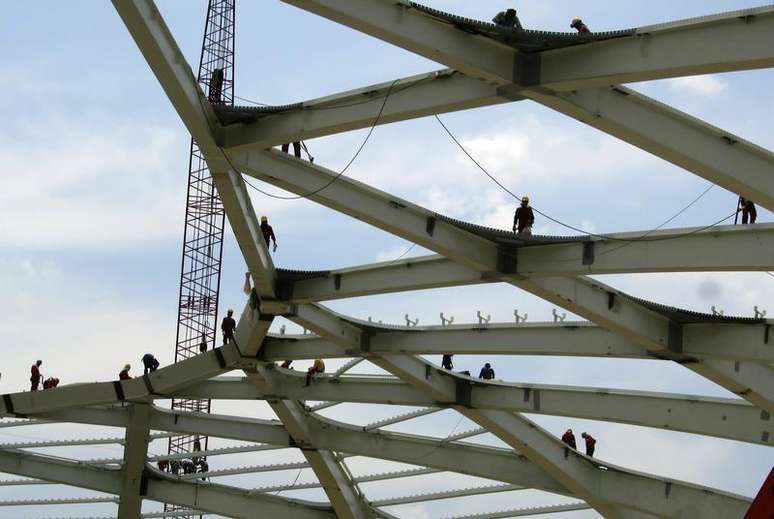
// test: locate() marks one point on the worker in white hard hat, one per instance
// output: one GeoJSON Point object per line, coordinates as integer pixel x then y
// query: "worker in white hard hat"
{"type": "Point", "coordinates": [523, 218]}
{"type": "Point", "coordinates": [579, 26]}
{"type": "Point", "coordinates": [228, 326]}
{"type": "Point", "coordinates": [268, 233]}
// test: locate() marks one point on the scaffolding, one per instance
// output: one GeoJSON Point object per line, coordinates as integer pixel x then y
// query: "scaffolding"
{"type": "Point", "coordinates": [204, 221]}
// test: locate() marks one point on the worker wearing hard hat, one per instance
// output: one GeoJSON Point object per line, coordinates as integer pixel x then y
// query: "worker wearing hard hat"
{"type": "Point", "coordinates": [579, 26]}
{"type": "Point", "coordinates": [268, 233]}
{"type": "Point", "coordinates": [523, 218]}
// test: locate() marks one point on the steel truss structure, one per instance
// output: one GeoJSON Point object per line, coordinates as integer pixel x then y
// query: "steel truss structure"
{"type": "Point", "coordinates": [576, 75]}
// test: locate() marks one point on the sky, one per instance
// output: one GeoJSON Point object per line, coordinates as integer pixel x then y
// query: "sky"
{"type": "Point", "coordinates": [95, 164]}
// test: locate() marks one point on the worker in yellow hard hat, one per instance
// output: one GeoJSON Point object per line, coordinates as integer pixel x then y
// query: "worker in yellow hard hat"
{"type": "Point", "coordinates": [268, 233]}
{"type": "Point", "coordinates": [523, 218]}
{"type": "Point", "coordinates": [579, 26]}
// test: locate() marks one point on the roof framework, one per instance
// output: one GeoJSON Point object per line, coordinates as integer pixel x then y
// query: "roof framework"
{"type": "Point", "coordinates": [575, 75]}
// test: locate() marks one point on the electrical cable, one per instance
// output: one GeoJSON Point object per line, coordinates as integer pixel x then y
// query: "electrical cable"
{"type": "Point", "coordinates": [406, 252]}
{"type": "Point", "coordinates": [292, 484]}
{"type": "Point", "coordinates": [339, 174]}
{"type": "Point", "coordinates": [602, 236]}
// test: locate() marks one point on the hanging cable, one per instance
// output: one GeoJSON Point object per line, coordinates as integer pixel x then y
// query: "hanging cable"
{"type": "Point", "coordinates": [339, 174]}
{"type": "Point", "coordinates": [406, 252]}
{"type": "Point", "coordinates": [568, 226]}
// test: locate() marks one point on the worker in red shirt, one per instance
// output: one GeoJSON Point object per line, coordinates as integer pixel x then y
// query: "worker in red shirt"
{"type": "Point", "coordinates": [50, 383]}
{"type": "Point", "coordinates": [124, 374]}
{"type": "Point", "coordinates": [579, 26]}
{"type": "Point", "coordinates": [35, 375]}
{"type": "Point", "coordinates": [523, 218]}
{"type": "Point", "coordinates": [569, 438]}
{"type": "Point", "coordinates": [268, 233]}
{"type": "Point", "coordinates": [317, 367]}
{"type": "Point", "coordinates": [590, 443]}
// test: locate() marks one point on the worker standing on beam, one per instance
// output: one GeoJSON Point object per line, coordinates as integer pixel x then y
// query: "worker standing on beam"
{"type": "Point", "coordinates": [508, 19]}
{"type": "Point", "coordinates": [150, 363]}
{"type": "Point", "coordinates": [579, 26]}
{"type": "Point", "coordinates": [268, 233]}
{"type": "Point", "coordinates": [296, 148]}
{"type": "Point", "coordinates": [569, 438]}
{"type": "Point", "coordinates": [446, 362]}
{"type": "Point", "coordinates": [590, 444]}
{"type": "Point", "coordinates": [124, 373]}
{"type": "Point", "coordinates": [487, 373]}
{"type": "Point", "coordinates": [747, 208]}
{"type": "Point", "coordinates": [35, 375]}
{"type": "Point", "coordinates": [523, 218]}
{"type": "Point", "coordinates": [228, 326]}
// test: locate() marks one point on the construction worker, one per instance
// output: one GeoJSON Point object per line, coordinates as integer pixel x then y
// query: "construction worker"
{"type": "Point", "coordinates": [579, 26]}
{"type": "Point", "coordinates": [188, 467]}
{"type": "Point", "coordinates": [203, 344]}
{"type": "Point", "coordinates": [317, 367]}
{"type": "Point", "coordinates": [197, 447]}
{"type": "Point", "coordinates": [150, 363]}
{"type": "Point", "coordinates": [523, 218]}
{"type": "Point", "coordinates": [204, 467]}
{"type": "Point", "coordinates": [296, 148]}
{"type": "Point", "coordinates": [590, 443]}
{"type": "Point", "coordinates": [175, 467]}
{"type": "Point", "coordinates": [163, 465]}
{"type": "Point", "coordinates": [446, 362]}
{"type": "Point", "coordinates": [268, 233]}
{"type": "Point", "coordinates": [487, 373]}
{"type": "Point", "coordinates": [286, 364]}
{"type": "Point", "coordinates": [35, 375]}
{"type": "Point", "coordinates": [50, 383]}
{"type": "Point", "coordinates": [747, 208]}
{"type": "Point", "coordinates": [508, 19]}
{"type": "Point", "coordinates": [228, 326]}
{"type": "Point", "coordinates": [124, 373]}
{"type": "Point", "coordinates": [569, 438]}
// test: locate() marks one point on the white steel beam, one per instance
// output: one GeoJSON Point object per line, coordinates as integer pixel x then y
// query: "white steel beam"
{"type": "Point", "coordinates": [604, 490]}
{"type": "Point", "coordinates": [341, 491]}
{"type": "Point", "coordinates": [581, 295]}
{"type": "Point", "coordinates": [728, 418]}
{"type": "Point", "coordinates": [710, 152]}
{"type": "Point", "coordinates": [155, 41]}
{"type": "Point", "coordinates": [135, 453]}
{"type": "Point", "coordinates": [725, 248]}
{"type": "Point", "coordinates": [213, 498]}
{"type": "Point", "coordinates": [736, 342]}
{"type": "Point", "coordinates": [421, 95]}
{"type": "Point", "coordinates": [725, 42]}
{"type": "Point", "coordinates": [162, 381]}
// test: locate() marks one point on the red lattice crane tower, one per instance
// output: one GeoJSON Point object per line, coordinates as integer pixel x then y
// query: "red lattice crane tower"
{"type": "Point", "coordinates": [204, 218]}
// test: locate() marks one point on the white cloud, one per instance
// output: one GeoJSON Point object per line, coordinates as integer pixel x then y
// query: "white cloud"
{"type": "Point", "coordinates": [70, 186]}
{"type": "Point", "coordinates": [705, 86]}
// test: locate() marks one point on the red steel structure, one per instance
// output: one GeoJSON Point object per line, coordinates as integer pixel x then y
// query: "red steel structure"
{"type": "Point", "coordinates": [204, 218]}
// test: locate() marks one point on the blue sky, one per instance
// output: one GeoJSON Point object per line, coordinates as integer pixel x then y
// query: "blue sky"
{"type": "Point", "coordinates": [95, 163]}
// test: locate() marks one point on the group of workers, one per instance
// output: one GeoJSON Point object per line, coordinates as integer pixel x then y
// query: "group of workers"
{"type": "Point", "coordinates": [509, 19]}
{"type": "Point", "coordinates": [318, 366]}
{"type": "Point", "coordinates": [569, 438]}
{"type": "Point", "coordinates": [186, 466]}
{"type": "Point", "coordinates": [149, 362]}
{"type": "Point", "coordinates": [486, 373]}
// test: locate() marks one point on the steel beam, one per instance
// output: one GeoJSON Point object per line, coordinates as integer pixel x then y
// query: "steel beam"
{"type": "Point", "coordinates": [710, 152]}
{"type": "Point", "coordinates": [217, 499]}
{"type": "Point", "coordinates": [421, 95]}
{"type": "Point", "coordinates": [162, 381]}
{"type": "Point", "coordinates": [135, 453]}
{"type": "Point", "coordinates": [341, 491]}
{"type": "Point", "coordinates": [729, 418]}
{"type": "Point", "coordinates": [723, 249]}
{"type": "Point", "coordinates": [583, 296]}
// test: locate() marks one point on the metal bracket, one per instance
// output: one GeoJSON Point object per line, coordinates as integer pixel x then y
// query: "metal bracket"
{"type": "Point", "coordinates": [507, 261]}
{"type": "Point", "coordinates": [463, 392]}
{"type": "Point", "coordinates": [430, 225]}
{"type": "Point", "coordinates": [365, 340]}
{"type": "Point", "coordinates": [337, 281]}
{"type": "Point", "coordinates": [526, 69]}
{"type": "Point", "coordinates": [588, 252]}
{"type": "Point", "coordinates": [675, 337]}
